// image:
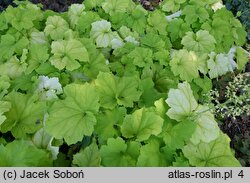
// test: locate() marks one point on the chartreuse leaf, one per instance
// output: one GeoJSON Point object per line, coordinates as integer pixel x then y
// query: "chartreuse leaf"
{"type": "Point", "coordinates": [142, 124]}
{"type": "Point", "coordinates": [183, 106]}
{"type": "Point", "coordinates": [101, 32]}
{"type": "Point", "coordinates": [22, 154]}
{"type": "Point", "coordinates": [97, 61]}
{"type": "Point", "coordinates": [154, 42]}
{"type": "Point", "coordinates": [207, 128]}
{"type": "Point", "coordinates": [24, 112]}
{"type": "Point", "coordinates": [106, 84]}
{"type": "Point", "coordinates": [172, 5]}
{"type": "Point", "coordinates": [185, 64]}
{"type": "Point", "coordinates": [74, 117]}
{"type": "Point", "coordinates": [90, 4]}
{"type": "Point", "coordinates": [68, 54]}
{"type": "Point", "coordinates": [134, 149]}
{"type": "Point", "coordinates": [226, 30]}
{"type": "Point", "coordinates": [158, 22]}
{"type": "Point", "coordinates": [220, 29]}
{"type": "Point", "coordinates": [84, 23]}
{"type": "Point", "coordinates": [3, 141]}
{"type": "Point", "coordinates": [74, 13]}
{"type": "Point", "coordinates": [202, 41]}
{"type": "Point", "coordinates": [43, 140]}
{"type": "Point", "coordinates": [7, 46]}
{"type": "Point", "coordinates": [165, 79]}
{"type": "Point", "coordinates": [112, 6]}
{"type": "Point", "coordinates": [38, 37]}
{"type": "Point", "coordinates": [141, 56]}
{"type": "Point", "coordinates": [200, 87]}
{"type": "Point", "coordinates": [88, 157]}
{"type": "Point", "coordinates": [204, 2]}
{"type": "Point", "coordinates": [108, 121]}
{"type": "Point", "coordinates": [162, 56]}
{"type": "Point", "coordinates": [56, 26]}
{"type": "Point", "coordinates": [161, 108]}
{"type": "Point", "coordinates": [37, 54]}
{"type": "Point", "coordinates": [20, 18]}
{"type": "Point", "coordinates": [137, 21]}
{"type": "Point", "coordinates": [4, 107]}
{"type": "Point", "coordinates": [241, 57]}
{"type": "Point", "coordinates": [119, 19]}
{"type": "Point", "coordinates": [114, 90]}
{"type": "Point", "coordinates": [237, 31]}
{"type": "Point", "coordinates": [3, 23]}
{"type": "Point", "coordinates": [14, 68]}
{"type": "Point", "coordinates": [204, 83]}
{"type": "Point", "coordinates": [117, 153]}
{"type": "Point", "coordinates": [149, 93]}
{"type": "Point", "coordinates": [22, 44]}
{"type": "Point", "coordinates": [24, 83]}
{"type": "Point", "coordinates": [177, 29]}
{"type": "Point", "coordinates": [4, 85]}
{"type": "Point", "coordinates": [46, 69]}
{"type": "Point", "coordinates": [176, 137]}
{"type": "Point", "coordinates": [124, 50]}
{"type": "Point", "coordinates": [146, 151]}
{"type": "Point", "coordinates": [194, 13]}
{"type": "Point", "coordinates": [125, 32]}
{"type": "Point", "coordinates": [182, 102]}
{"type": "Point", "coordinates": [12, 43]}
{"type": "Point", "coordinates": [216, 153]}
{"type": "Point", "coordinates": [181, 161]}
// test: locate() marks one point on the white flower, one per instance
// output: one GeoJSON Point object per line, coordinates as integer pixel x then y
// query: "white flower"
{"type": "Point", "coordinates": [225, 63]}
{"type": "Point", "coordinates": [231, 55]}
{"type": "Point", "coordinates": [231, 52]}
{"type": "Point", "coordinates": [217, 6]}
{"type": "Point", "coordinates": [131, 40]}
{"type": "Point", "coordinates": [107, 62]}
{"type": "Point", "coordinates": [116, 43]}
{"type": "Point", "coordinates": [220, 64]}
{"type": "Point", "coordinates": [49, 87]}
{"type": "Point", "coordinates": [174, 15]}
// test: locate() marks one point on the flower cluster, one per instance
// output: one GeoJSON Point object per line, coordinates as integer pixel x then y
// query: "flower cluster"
{"type": "Point", "coordinates": [237, 98]}
{"type": "Point", "coordinates": [49, 87]}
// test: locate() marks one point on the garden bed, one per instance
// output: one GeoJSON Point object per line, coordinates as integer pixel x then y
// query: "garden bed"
{"type": "Point", "coordinates": [110, 84]}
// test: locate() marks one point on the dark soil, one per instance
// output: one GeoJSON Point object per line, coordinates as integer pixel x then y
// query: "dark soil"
{"type": "Point", "coordinates": [149, 4]}
{"type": "Point", "coordinates": [62, 5]}
{"type": "Point", "coordinates": [5, 3]}
{"type": "Point", "coordinates": [56, 5]}
{"type": "Point", "coordinates": [248, 66]}
{"type": "Point", "coordinates": [238, 129]}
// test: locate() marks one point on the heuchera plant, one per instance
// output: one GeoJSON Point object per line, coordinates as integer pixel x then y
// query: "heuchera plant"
{"type": "Point", "coordinates": [122, 83]}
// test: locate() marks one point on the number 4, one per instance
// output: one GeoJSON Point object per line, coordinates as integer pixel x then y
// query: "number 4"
{"type": "Point", "coordinates": [241, 174]}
